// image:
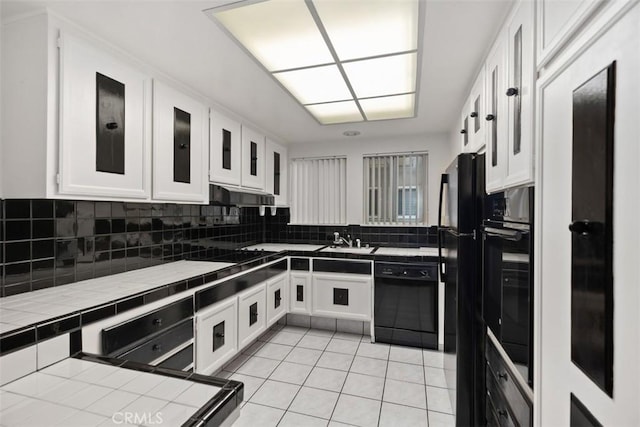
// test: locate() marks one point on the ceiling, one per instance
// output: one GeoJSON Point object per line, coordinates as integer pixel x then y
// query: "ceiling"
{"type": "Point", "coordinates": [179, 39]}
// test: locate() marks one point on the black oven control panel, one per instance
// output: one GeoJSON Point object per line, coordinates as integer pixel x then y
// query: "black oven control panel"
{"type": "Point", "coordinates": [424, 271]}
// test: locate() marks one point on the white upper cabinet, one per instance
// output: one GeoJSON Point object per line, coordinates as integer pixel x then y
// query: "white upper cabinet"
{"type": "Point", "coordinates": [253, 162]}
{"type": "Point", "coordinates": [496, 119]}
{"type": "Point", "coordinates": [225, 150]}
{"type": "Point", "coordinates": [180, 146]}
{"type": "Point", "coordinates": [104, 123]}
{"type": "Point", "coordinates": [276, 180]}
{"type": "Point", "coordinates": [520, 94]}
{"type": "Point", "coordinates": [476, 111]}
{"type": "Point", "coordinates": [558, 21]}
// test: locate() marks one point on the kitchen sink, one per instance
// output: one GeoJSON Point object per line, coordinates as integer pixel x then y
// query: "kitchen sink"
{"type": "Point", "coordinates": [346, 249]}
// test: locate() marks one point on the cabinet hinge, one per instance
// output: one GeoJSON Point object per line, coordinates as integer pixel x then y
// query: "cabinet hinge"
{"type": "Point", "coordinates": [57, 178]}
{"type": "Point", "coordinates": [59, 42]}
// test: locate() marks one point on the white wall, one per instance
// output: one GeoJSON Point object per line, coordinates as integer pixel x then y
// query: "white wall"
{"type": "Point", "coordinates": [354, 148]}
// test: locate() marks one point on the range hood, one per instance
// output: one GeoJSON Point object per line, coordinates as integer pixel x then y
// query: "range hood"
{"type": "Point", "coordinates": [230, 196]}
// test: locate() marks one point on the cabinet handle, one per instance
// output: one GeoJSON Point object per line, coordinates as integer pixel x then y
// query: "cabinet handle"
{"type": "Point", "coordinates": [463, 131]}
{"type": "Point", "coordinates": [112, 125]}
{"type": "Point", "coordinates": [157, 322]}
{"type": "Point", "coordinates": [473, 114]}
{"type": "Point", "coordinates": [220, 335]}
{"type": "Point", "coordinates": [586, 227]}
{"type": "Point", "coordinates": [490, 117]}
{"type": "Point", "coordinates": [512, 91]}
{"type": "Point", "coordinates": [503, 376]}
{"type": "Point", "coordinates": [184, 146]}
{"type": "Point", "coordinates": [156, 347]}
{"type": "Point", "coordinates": [503, 413]}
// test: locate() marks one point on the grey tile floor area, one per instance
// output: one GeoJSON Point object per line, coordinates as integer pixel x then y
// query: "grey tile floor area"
{"type": "Point", "coordinates": [309, 377]}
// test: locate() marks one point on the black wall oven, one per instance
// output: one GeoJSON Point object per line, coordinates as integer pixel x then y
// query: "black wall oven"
{"type": "Point", "coordinates": [508, 280]}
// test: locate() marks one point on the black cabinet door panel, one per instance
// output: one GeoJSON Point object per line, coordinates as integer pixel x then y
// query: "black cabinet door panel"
{"type": "Point", "coordinates": [109, 125]}
{"type": "Point", "coordinates": [181, 146]}
{"type": "Point", "coordinates": [592, 228]}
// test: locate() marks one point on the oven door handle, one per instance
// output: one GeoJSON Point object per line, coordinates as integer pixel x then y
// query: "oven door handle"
{"type": "Point", "coordinates": [513, 235]}
{"type": "Point", "coordinates": [444, 180]}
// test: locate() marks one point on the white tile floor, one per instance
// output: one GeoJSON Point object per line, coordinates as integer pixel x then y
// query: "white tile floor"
{"type": "Point", "coordinates": [309, 377]}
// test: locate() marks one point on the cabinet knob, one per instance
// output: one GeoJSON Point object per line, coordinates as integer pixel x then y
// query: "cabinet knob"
{"type": "Point", "coordinates": [183, 146]}
{"type": "Point", "coordinates": [463, 131]}
{"type": "Point", "coordinates": [503, 413]}
{"type": "Point", "coordinates": [157, 322]}
{"type": "Point", "coordinates": [512, 91]}
{"type": "Point", "coordinates": [503, 376]}
{"type": "Point", "coordinates": [156, 347]}
{"type": "Point", "coordinates": [112, 125]}
{"type": "Point", "coordinates": [586, 227]}
{"type": "Point", "coordinates": [473, 114]}
{"type": "Point", "coordinates": [490, 117]}
{"type": "Point", "coordinates": [220, 335]}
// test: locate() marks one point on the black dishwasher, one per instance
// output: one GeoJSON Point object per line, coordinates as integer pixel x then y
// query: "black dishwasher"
{"type": "Point", "coordinates": [406, 304]}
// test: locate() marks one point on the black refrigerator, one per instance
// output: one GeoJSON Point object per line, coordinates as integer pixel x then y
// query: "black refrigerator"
{"type": "Point", "coordinates": [462, 191]}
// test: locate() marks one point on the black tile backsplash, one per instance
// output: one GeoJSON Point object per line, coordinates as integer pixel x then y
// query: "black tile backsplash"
{"type": "Point", "coordinates": [46, 243]}
{"type": "Point", "coordinates": [277, 231]}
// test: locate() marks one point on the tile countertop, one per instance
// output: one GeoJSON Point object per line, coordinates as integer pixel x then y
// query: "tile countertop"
{"type": "Point", "coordinates": [32, 307]}
{"type": "Point", "coordinates": [278, 247]}
{"type": "Point", "coordinates": [407, 251]}
{"type": "Point", "coordinates": [77, 392]}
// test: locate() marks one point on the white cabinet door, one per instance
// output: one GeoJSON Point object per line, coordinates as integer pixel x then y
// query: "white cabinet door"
{"type": "Point", "coordinates": [277, 298]}
{"type": "Point", "coordinates": [252, 159]}
{"type": "Point", "coordinates": [476, 108]}
{"type": "Point", "coordinates": [216, 336]}
{"type": "Point", "coordinates": [300, 293]}
{"type": "Point", "coordinates": [180, 146]}
{"type": "Point", "coordinates": [104, 129]}
{"type": "Point", "coordinates": [224, 150]}
{"type": "Point", "coordinates": [276, 179]}
{"type": "Point", "coordinates": [520, 95]}
{"type": "Point", "coordinates": [496, 119]}
{"type": "Point", "coordinates": [252, 316]}
{"type": "Point", "coordinates": [558, 21]}
{"type": "Point", "coordinates": [345, 296]}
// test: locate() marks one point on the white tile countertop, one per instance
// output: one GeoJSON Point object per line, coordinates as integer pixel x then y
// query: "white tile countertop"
{"type": "Point", "coordinates": [77, 392]}
{"type": "Point", "coordinates": [277, 247]}
{"type": "Point", "coordinates": [407, 251]}
{"type": "Point", "coordinates": [32, 307]}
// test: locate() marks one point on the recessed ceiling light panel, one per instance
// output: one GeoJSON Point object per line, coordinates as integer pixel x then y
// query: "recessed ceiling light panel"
{"type": "Point", "coordinates": [388, 75]}
{"type": "Point", "coordinates": [360, 29]}
{"type": "Point", "coordinates": [280, 34]}
{"type": "Point", "coordinates": [338, 58]}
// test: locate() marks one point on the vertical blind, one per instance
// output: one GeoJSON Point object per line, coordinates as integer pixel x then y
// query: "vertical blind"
{"type": "Point", "coordinates": [395, 189]}
{"type": "Point", "coordinates": [319, 191]}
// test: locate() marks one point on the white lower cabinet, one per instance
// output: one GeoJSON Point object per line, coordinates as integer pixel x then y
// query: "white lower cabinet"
{"type": "Point", "coordinates": [277, 298]}
{"type": "Point", "coordinates": [252, 319]}
{"type": "Point", "coordinates": [342, 296]}
{"type": "Point", "coordinates": [300, 291]}
{"type": "Point", "coordinates": [216, 336]}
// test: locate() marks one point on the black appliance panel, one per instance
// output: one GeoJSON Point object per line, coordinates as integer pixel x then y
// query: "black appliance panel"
{"type": "Point", "coordinates": [159, 345]}
{"type": "Point", "coordinates": [341, 266]}
{"type": "Point", "coordinates": [406, 304]}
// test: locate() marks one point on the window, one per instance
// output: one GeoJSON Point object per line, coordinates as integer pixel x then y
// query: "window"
{"type": "Point", "coordinates": [319, 191]}
{"type": "Point", "coordinates": [395, 188]}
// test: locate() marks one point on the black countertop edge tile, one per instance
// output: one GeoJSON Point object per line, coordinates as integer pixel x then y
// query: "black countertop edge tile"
{"type": "Point", "coordinates": [17, 340]}
{"type": "Point", "coordinates": [57, 327]}
{"type": "Point", "coordinates": [212, 413]}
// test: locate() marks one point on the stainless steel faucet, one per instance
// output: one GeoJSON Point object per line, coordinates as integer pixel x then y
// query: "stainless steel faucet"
{"type": "Point", "coordinates": [337, 240]}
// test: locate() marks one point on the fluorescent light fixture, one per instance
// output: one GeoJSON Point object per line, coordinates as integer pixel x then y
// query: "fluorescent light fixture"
{"type": "Point", "coordinates": [360, 29]}
{"type": "Point", "coordinates": [314, 85]}
{"type": "Point", "coordinates": [280, 34]}
{"type": "Point", "coordinates": [388, 107]}
{"type": "Point", "coordinates": [336, 58]}
{"type": "Point", "coordinates": [382, 76]}
{"type": "Point", "coordinates": [336, 112]}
